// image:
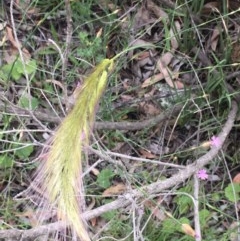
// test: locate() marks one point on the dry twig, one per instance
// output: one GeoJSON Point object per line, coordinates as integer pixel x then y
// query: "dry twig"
{"type": "Point", "coordinates": [125, 200]}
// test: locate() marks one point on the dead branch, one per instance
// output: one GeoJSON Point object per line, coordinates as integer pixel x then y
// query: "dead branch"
{"type": "Point", "coordinates": [6, 107]}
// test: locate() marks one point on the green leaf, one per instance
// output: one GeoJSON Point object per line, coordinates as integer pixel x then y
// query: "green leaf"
{"type": "Point", "coordinates": [232, 191]}
{"type": "Point", "coordinates": [16, 69]}
{"type": "Point", "coordinates": [216, 197]}
{"type": "Point", "coordinates": [8, 69]}
{"type": "Point", "coordinates": [23, 152]}
{"type": "Point", "coordinates": [104, 177]}
{"type": "Point", "coordinates": [25, 102]}
{"type": "Point", "coordinates": [184, 202]}
{"type": "Point", "coordinates": [109, 215]}
{"type": "Point", "coordinates": [169, 225]}
{"type": "Point", "coordinates": [203, 216]}
{"type": "Point", "coordinates": [16, 75]}
{"type": "Point", "coordinates": [30, 66]}
{"type": "Point", "coordinates": [5, 161]}
{"type": "Point", "coordinates": [3, 76]}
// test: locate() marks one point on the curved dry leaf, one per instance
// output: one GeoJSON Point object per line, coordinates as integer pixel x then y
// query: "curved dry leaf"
{"type": "Point", "coordinates": [234, 234]}
{"type": "Point", "coordinates": [215, 38]}
{"type": "Point", "coordinates": [142, 55]}
{"type": "Point", "coordinates": [162, 66]}
{"type": "Point", "coordinates": [174, 41]}
{"type": "Point", "coordinates": [157, 10]}
{"type": "Point", "coordinates": [187, 229]}
{"type": "Point", "coordinates": [210, 7]}
{"type": "Point", "coordinates": [93, 222]}
{"type": "Point", "coordinates": [149, 109]}
{"type": "Point", "coordinates": [147, 154]}
{"type": "Point", "coordinates": [235, 53]}
{"type": "Point", "coordinates": [17, 45]}
{"type": "Point", "coordinates": [158, 213]}
{"type": "Point", "coordinates": [169, 76]}
{"type": "Point", "coordinates": [152, 80]}
{"type": "Point", "coordinates": [236, 179]}
{"type": "Point", "coordinates": [164, 60]}
{"type": "Point", "coordinates": [141, 44]}
{"type": "Point", "coordinates": [176, 84]}
{"type": "Point", "coordinates": [114, 190]}
{"type": "Point", "coordinates": [95, 171]}
{"type": "Point", "coordinates": [99, 33]}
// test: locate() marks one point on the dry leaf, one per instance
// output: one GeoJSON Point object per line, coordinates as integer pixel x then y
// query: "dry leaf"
{"type": "Point", "coordinates": [236, 179]}
{"type": "Point", "coordinates": [157, 10]}
{"type": "Point", "coordinates": [174, 41]}
{"type": "Point", "coordinates": [10, 55]}
{"type": "Point", "coordinates": [95, 171]}
{"type": "Point", "coordinates": [177, 84]}
{"type": "Point", "coordinates": [26, 54]}
{"type": "Point", "coordinates": [139, 43]}
{"type": "Point", "coordinates": [169, 76]}
{"type": "Point", "coordinates": [99, 33]}
{"type": "Point", "coordinates": [158, 213]}
{"type": "Point", "coordinates": [152, 80]}
{"type": "Point", "coordinates": [142, 55]}
{"type": "Point", "coordinates": [126, 98]}
{"type": "Point", "coordinates": [187, 229]}
{"type": "Point", "coordinates": [143, 17]}
{"type": "Point", "coordinates": [210, 7]}
{"type": "Point", "coordinates": [235, 54]}
{"type": "Point", "coordinates": [114, 190]}
{"type": "Point", "coordinates": [147, 154]}
{"type": "Point", "coordinates": [93, 222]}
{"type": "Point", "coordinates": [144, 62]}
{"type": "Point", "coordinates": [234, 231]}
{"type": "Point", "coordinates": [165, 60]}
{"type": "Point", "coordinates": [214, 38]}
{"type": "Point", "coordinates": [149, 109]}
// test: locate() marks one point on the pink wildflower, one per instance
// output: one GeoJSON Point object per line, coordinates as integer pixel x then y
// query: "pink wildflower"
{"type": "Point", "coordinates": [202, 174]}
{"type": "Point", "coordinates": [215, 141]}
